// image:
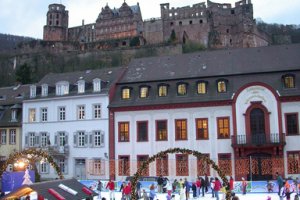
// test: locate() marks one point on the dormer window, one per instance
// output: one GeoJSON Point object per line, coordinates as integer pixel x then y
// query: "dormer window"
{"type": "Point", "coordinates": [201, 87]}
{"type": "Point", "coordinates": [97, 85]}
{"type": "Point", "coordinates": [163, 90]}
{"type": "Point", "coordinates": [14, 115]}
{"type": "Point", "coordinates": [126, 93]}
{"type": "Point", "coordinates": [81, 86]}
{"type": "Point", "coordinates": [289, 81]}
{"type": "Point", "coordinates": [182, 89]}
{"type": "Point", "coordinates": [44, 90]}
{"type": "Point", "coordinates": [32, 91]}
{"type": "Point", "coordinates": [222, 85]}
{"type": "Point", "coordinates": [62, 88]}
{"type": "Point", "coordinates": [144, 91]}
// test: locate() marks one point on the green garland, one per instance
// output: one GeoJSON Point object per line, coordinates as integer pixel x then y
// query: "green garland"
{"type": "Point", "coordinates": [33, 155]}
{"type": "Point", "coordinates": [161, 154]}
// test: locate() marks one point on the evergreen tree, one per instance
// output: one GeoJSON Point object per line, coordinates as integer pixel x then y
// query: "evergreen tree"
{"type": "Point", "coordinates": [23, 74]}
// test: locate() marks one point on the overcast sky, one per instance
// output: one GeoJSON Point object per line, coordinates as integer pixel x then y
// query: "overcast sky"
{"type": "Point", "coordinates": [27, 17]}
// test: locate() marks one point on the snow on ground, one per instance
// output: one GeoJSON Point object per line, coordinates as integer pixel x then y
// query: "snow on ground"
{"type": "Point", "coordinates": [249, 196]}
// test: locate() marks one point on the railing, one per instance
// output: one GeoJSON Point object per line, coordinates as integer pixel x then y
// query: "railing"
{"type": "Point", "coordinates": [258, 139]}
{"type": "Point", "coordinates": [58, 150]}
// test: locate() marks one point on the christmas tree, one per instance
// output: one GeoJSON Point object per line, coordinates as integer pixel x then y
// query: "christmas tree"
{"type": "Point", "coordinates": [26, 177]}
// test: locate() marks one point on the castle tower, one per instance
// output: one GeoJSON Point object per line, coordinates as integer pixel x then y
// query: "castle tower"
{"type": "Point", "coordinates": [56, 28]}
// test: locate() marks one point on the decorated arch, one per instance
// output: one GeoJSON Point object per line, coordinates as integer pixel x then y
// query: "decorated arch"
{"type": "Point", "coordinates": [197, 154]}
{"type": "Point", "coordinates": [32, 155]}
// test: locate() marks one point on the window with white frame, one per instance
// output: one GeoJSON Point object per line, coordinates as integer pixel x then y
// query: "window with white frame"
{"type": "Point", "coordinates": [62, 88]}
{"type": "Point", "coordinates": [13, 115]}
{"type": "Point", "coordinates": [31, 139]}
{"type": "Point", "coordinates": [97, 111]}
{"type": "Point", "coordinates": [44, 139]}
{"type": "Point", "coordinates": [32, 91]}
{"type": "Point", "coordinates": [62, 139]}
{"type": "Point", "coordinates": [3, 136]}
{"type": "Point", "coordinates": [98, 139]}
{"type": "Point", "coordinates": [81, 139]}
{"type": "Point", "coordinates": [44, 168]}
{"type": "Point", "coordinates": [81, 86]}
{"type": "Point", "coordinates": [32, 113]}
{"type": "Point", "coordinates": [44, 90]}
{"type": "Point", "coordinates": [61, 113]}
{"type": "Point", "coordinates": [12, 136]}
{"type": "Point", "coordinates": [81, 112]}
{"type": "Point", "coordinates": [62, 164]}
{"type": "Point", "coordinates": [44, 114]}
{"type": "Point", "coordinates": [97, 85]}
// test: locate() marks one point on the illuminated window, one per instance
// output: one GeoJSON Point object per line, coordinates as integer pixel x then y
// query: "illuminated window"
{"type": "Point", "coordinates": [161, 130]}
{"type": "Point", "coordinates": [32, 115]}
{"type": "Point", "coordinates": [142, 131]}
{"type": "Point", "coordinates": [201, 88]}
{"type": "Point", "coordinates": [201, 129]}
{"type": "Point", "coordinates": [123, 131]}
{"type": "Point", "coordinates": [162, 90]}
{"type": "Point", "coordinates": [289, 81]}
{"type": "Point", "coordinates": [126, 93]}
{"type": "Point", "coordinates": [181, 129]}
{"type": "Point", "coordinates": [222, 87]}
{"type": "Point", "coordinates": [182, 89]}
{"type": "Point", "coordinates": [144, 92]}
{"type": "Point", "coordinates": [223, 127]}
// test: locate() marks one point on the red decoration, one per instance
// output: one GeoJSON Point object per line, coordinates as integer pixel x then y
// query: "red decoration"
{"type": "Point", "coordinates": [87, 191]}
{"type": "Point", "coordinates": [56, 194]}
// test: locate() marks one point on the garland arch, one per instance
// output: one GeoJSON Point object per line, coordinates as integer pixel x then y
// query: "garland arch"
{"type": "Point", "coordinates": [197, 154]}
{"type": "Point", "coordinates": [32, 155]}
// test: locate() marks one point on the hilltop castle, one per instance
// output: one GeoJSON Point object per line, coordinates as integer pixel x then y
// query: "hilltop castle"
{"type": "Point", "coordinates": [213, 25]}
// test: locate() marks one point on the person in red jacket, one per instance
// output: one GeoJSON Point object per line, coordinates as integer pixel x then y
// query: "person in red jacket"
{"type": "Point", "coordinates": [127, 191]}
{"type": "Point", "coordinates": [217, 187]}
{"type": "Point", "coordinates": [111, 187]}
{"type": "Point", "coordinates": [231, 181]}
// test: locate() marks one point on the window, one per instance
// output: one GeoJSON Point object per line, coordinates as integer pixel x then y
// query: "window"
{"type": "Point", "coordinates": [32, 91]}
{"type": "Point", "coordinates": [182, 89]}
{"type": "Point", "coordinates": [293, 162]}
{"type": "Point", "coordinates": [203, 167]}
{"type": "Point", "coordinates": [13, 115]}
{"type": "Point", "coordinates": [222, 86]}
{"type": "Point", "coordinates": [224, 162]}
{"type": "Point", "coordinates": [44, 114]}
{"type": "Point", "coordinates": [82, 139]}
{"type": "Point", "coordinates": [291, 120]}
{"type": "Point", "coordinates": [98, 139]}
{"type": "Point", "coordinates": [31, 139]}
{"type": "Point", "coordinates": [126, 93]}
{"type": "Point", "coordinates": [162, 90]}
{"type": "Point", "coordinates": [62, 88]}
{"type": "Point", "coordinates": [201, 88]}
{"type": "Point", "coordinates": [62, 139]}
{"type": "Point", "coordinates": [289, 81]}
{"type": "Point", "coordinates": [180, 23]}
{"type": "Point", "coordinates": [124, 166]}
{"type": "Point", "coordinates": [140, 160]}
{"type": "Point", "coordinates": [202, 129]}
{"type": "Point", "coordinates": [162, 166]}
{"type": "Point", "coordinates": [12, 136]}
{"type": "Point", "coordinates": [201, 21]}
{"type": "Point", "coordinates": [123, 131]}
{"type": "Point", "coordinates": [191, 22]}
{"type": "Point", "coordinates": [142, 131]}
{"type": "Point", "coordinates": [61, 113]}
{"type": "Point", "coordinates": [81, 86]}
{"type": "Point", "coordinates": [97, 111]}
{"type": "Point", "coordinates": [223, 127]}
{"type": "Point", "coordinates": [161, 130]}
{"type": "Point", "coordinates": [3, 136]}
{"type": "Point", "coordinates": [44, 139]}
{"type": "Point", "coordinates": [44, 90]}
{"type": "Point", "coordinates": [62, 164]}
{"type": "Point", "coordinates": [97, 85]}
{"type": "Point", "coordinates": [81, 112]}
{"type": "Point", "coordinates": [97, 167]}
{"type": "Point", "coordinates": [181, 129]}
{"type": "Point", "coordinates": [182, 165]}
{"type": "Point", "coordinates": [32, 115]}
{"type": "Point", "coordinates": [144, 92]}
{"type": "Point", "coordinates": [44, 168]}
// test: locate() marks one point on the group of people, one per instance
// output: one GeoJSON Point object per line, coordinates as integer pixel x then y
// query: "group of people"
{"type": "Point", "coordinates": [285, 189]}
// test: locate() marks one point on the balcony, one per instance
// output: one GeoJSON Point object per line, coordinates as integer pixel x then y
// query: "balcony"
{"type": "Point", "coordinates": [273, 139]}
{"type": "Point", "coordinates": [58, 150]}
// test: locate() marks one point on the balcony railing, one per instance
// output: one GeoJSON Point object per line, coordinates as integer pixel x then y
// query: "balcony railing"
{"type": "Point", "coordinates": [58, 150]}
{"type": "Point", "coordinates": [258, 139]}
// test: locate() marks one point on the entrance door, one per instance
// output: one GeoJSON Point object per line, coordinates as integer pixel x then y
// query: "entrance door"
{"type": "Point", "coordinates": [257, 126]}
{"type": "Point", "coordinates": [80, 172]}
{"type": "Point", "coordinates": [260, 166]}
